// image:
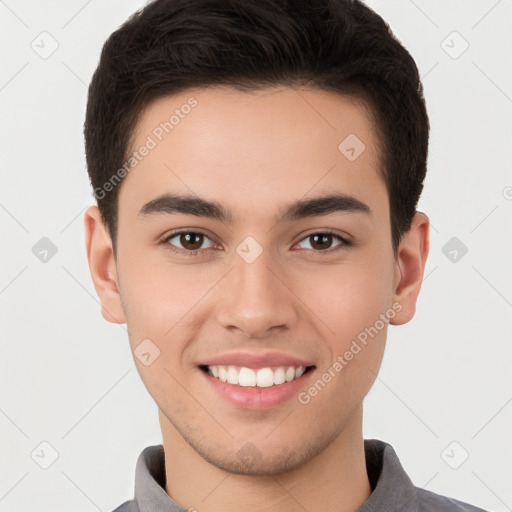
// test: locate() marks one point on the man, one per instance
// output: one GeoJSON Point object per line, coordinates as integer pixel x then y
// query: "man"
{"type": "Point", "coordinates": [257, 166]}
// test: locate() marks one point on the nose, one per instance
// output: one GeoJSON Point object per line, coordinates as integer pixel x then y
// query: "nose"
{"type": "Point", "coordinates": [256, 299]}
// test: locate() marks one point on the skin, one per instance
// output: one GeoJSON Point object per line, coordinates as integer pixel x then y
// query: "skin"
{"type": "Point", "coordinates": [255, 152]}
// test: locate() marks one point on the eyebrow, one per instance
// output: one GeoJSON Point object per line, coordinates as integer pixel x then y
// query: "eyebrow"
{"type": "Point", "coordinates": [193, 205]}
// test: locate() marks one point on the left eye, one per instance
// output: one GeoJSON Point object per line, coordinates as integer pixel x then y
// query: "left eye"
{"type": "Point", "coordinates": [320, 240]}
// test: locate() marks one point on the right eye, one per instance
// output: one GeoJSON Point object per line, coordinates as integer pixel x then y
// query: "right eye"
{"type": "Point", "coordinates": [190, 242]}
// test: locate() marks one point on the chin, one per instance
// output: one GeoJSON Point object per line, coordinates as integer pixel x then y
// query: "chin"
{"type": "Point", "coordinates": [253, 459]}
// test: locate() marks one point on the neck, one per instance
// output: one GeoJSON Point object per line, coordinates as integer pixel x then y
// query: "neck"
{"type": "Point", "coordinates": [334, 480]}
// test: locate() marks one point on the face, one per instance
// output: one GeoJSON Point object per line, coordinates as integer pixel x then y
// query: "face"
{"type": "Point", "coordinates": [220, 275]}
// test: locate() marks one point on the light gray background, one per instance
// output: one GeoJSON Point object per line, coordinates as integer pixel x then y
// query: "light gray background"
{"type": "Point", "coordinates": [68, 377]}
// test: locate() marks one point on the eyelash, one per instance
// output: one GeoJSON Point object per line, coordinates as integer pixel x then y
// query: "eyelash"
{"type": "Point", "coordinates": [197, 252]}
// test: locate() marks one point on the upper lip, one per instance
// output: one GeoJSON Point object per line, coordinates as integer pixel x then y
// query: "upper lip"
{"type": "Point", "coordinates": [256, 360]}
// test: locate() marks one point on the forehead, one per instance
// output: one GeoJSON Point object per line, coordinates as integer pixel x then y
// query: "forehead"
{"type": "Point", "coordinates": [254, 148]}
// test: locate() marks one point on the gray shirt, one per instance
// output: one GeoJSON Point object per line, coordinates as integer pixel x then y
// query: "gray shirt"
{"type": "Point", "coordinates": [392, 489]}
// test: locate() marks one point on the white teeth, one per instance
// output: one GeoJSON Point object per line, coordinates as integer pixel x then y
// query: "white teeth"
{"type": "Point", "coordinates": [261, 378]}
{"type": "Point", "coordinates": [232, 375]}
{"type": "Point", "coordinates": [279, 376]}
{"type": "Point", "coordinates": [265, 378]}
{"type": "Point", "coordinates": [247, 377]}
{"type": "Point", "coordinates": [299, 371]}
{"type": "Point", "coordinates": [290, 374]}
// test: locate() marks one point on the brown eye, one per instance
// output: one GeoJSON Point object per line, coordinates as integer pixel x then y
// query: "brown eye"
{"type": "Point", "coordinates": [191, 241]}
{"type": "Point", "coordinates": [324, 241]}
{"type": "Point", "coordinates": [321, 241]}
{"type": "Point", "coordinates": [188, 241]}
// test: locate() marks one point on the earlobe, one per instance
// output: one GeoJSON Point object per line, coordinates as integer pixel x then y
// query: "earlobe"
{"type": "Point", "coordinates": [410, 267]}
{"type": "Point", "coordinates": [102, 266]}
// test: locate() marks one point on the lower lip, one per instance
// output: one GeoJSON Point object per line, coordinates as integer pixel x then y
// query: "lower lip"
{"type": "Point", "coordinates": [257, 398]}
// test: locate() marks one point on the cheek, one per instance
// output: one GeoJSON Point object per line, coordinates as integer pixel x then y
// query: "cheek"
{"type": "Point", "coordinates": [352, 302]}
{"type": "Point", "coordinates": [159, 301]}
{"type": "Point", "coordinates": [157, 294]}
{"type": "Point", "coordinates": [348, 297]}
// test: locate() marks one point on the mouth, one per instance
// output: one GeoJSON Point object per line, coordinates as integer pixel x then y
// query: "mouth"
{"type": "Point", "coordinates": [265, 377]}
{"type": "Point", "coordinates": [256, 381]}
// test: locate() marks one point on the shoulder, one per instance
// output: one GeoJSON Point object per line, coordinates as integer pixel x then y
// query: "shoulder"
{"type": "Point", "coordinates": [431, 502]}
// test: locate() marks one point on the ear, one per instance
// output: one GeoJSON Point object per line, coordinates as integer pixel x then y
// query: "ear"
{"type": "Point", "coordinates": [410, 267]}
{"type": "Point", "coordinates": [102, 266]}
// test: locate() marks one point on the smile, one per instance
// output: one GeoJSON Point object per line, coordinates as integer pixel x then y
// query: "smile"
{"type": "Point", "coordinates": [260, 378]}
